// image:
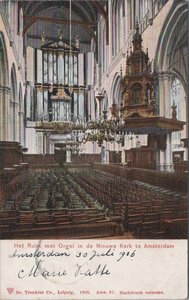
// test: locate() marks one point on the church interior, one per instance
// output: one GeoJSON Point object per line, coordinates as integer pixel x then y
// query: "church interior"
{"type": "Point", "coordinates": [93, 119]}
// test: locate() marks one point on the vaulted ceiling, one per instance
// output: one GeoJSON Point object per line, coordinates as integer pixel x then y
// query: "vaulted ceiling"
{"type": "Point", "coordinates": [50, 16]}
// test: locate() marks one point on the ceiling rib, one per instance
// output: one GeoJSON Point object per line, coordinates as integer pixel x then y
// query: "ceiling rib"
{"type": "Point", "coordinates": [34, 19]}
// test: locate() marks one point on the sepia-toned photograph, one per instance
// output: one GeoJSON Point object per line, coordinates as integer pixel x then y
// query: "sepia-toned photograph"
{"type": "Point", "coordinates": [94, 149]}
{"type": "Point", "coordinates": [93, 119]}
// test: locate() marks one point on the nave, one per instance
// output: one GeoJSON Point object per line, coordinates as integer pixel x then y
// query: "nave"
{"type": "Point", "coordinates": [93, 119]}
{"type": "Point", "coordinates": [83, 202]}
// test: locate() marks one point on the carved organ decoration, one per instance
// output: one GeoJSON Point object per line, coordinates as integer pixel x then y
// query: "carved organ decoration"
{"type": "Point", "coordinates": [138, 83]}
{"type": "Point", "coordinates": [58, 94]}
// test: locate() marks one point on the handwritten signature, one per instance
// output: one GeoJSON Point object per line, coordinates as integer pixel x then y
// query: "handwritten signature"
{"type": "Point", "coordinates": [80, 268]}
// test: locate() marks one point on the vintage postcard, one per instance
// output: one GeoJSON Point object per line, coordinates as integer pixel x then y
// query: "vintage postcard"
{"type": "Point", "coordinates": [93, 149]}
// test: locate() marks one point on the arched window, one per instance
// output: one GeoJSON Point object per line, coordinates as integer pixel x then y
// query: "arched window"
{"type": "Point", "coordinates": [178, 99]}
{"type": "Point", "coordinates": [14, 102]}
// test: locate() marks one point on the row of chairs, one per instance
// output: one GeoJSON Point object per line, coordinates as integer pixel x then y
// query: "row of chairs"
{"type": "Point", "coordinates": [147, 207]}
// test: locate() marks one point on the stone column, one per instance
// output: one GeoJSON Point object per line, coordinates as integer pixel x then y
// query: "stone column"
{"type": "Point", "coordinates": [110, 32]}
{"type": "Point", "coordinates": [123, 156]}
{"type": "Point", "coordinates": [164, 79]}
{"type": "Point", "coordinates": [10, 118]}
{"type": "Point", "coordinates": [2, 115]}
{"type": "Point", "coordinates": [157, 156]}
{"type": "Point", "coordinates": [103, 155]}
{"type": "Point", "coordinates": [107, 156]}
{"type": "Point", "coordinates": [167, 105]}
{"type": "Point", "coordinates": [161, 95]}
{"type": "Point", "coordinates": [8, 115]}
{"type": "Point", "coordinates": [187, 126]}
{"type": "Point", "coordinates": [133, 17]}
{"type": "Point", "coordinates": [137, 12]}
{"type": "Point", "coordinates": [51, 147]}
{"type": "Point", "coordinates": [44, 143]}
{"type": "Point", "coordinates": [68, 155]}
{"type": "Point", "coordinates": [16, 122]}
{"type": "Point", "coordinates": [150, 8]}
{"type": "Point", "coordinates": [168, 154]}
{"type": "Point", "coordinates": [165, 156]}
{"type": "Point", "coordinates": [161, 161]}
{"type": "Point", "coordinates": [21, 127]}
{"type": "Point", "coordinates": [167, 97]}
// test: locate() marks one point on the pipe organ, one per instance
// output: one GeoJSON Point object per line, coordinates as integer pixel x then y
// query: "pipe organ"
{"type": "Point", "coordinates": [59, 92]}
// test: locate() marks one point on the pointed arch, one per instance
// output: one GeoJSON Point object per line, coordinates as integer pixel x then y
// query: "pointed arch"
{"type": "Point", "coordinates": [116, 89]}
{"type": "Point", "coordinates": [4, 78]}
{"type": "Point", "coordinates": [171, 62]}
{"type": "Point", "coordinates": [171, 53]}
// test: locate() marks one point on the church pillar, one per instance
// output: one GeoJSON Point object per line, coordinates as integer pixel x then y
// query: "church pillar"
{"type": "Point", "coordinates": [11, 121]}
{"type": "Point", "coordinates": [44, 143]}
{"type": "Point", "coordinates": [21, 129]}
{"type": "Point", "coordinates": [16, 122]}
{"type": "Point", "coordinates": [161, 95]}
{"type": "Point", "coordinates": [165, 155]}
{"type": "Point", "coordinates": [137, 14]}
{"type": "Point", "coordinates": [2, 115]}
{"type": "Point", "coordinates": [123, 156]}
{"type": "Point", "coordinates": [103, 155]}
{"type": "Point", "coordinates": [51, 147]}
{"type": "Point", "coordinates": [68, 155]}
{"type": "Point", "coordinates": [186, 156]}
{"type": "Point", "coordinates": [127, 19]}
{"type": "Point", "coordinates": [167, 105]}
{"type": "Point", "coordinates": [162, 160]}
{"type": "Point", "coordinates": [168, 154]}
{"type": "Point", "coordinates": [150, 7]}
{"type": "Point", "coordinates": [9, 118]}
{"type": "Point", "coordinates": [133, 16]}
{"type": "Point", "coordinates": [164, 79]}
{"type": "Point", "coordinates": [107, 156]}
{"type": "Point", "coordinates": [167, 97]}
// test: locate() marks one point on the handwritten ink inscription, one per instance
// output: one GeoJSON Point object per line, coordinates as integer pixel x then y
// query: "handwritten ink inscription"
{"type": "Point", "coordinates": [90, 269]}
{"type": "Point", "coordinates": [88, 262]}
